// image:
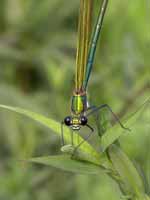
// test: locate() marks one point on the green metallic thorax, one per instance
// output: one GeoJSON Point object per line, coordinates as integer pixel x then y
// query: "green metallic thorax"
{"type": "Point", "coordinates": [79, 103]}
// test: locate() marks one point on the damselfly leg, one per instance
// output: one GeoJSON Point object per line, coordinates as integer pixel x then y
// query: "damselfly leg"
{"type": "Point", "coordinates": [95, 109]}
{"type": "Point", "coordinates": [85, 139]}
{"type": "Point", "coordinates": [62, 135]}
{"type": "Point", "coordinates": [97, 120]}
{"type": "Point", "coordinates": [72, 137]}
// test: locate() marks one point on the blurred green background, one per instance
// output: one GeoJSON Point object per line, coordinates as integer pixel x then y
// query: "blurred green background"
{"type": "Point", "coordinates": [37, 64]}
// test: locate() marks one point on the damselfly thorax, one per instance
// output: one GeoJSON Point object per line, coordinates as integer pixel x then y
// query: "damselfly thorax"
{"type": "Point", "coordinates": [79, 107]}
{"type": "Point", "coordinates": [79, 103]}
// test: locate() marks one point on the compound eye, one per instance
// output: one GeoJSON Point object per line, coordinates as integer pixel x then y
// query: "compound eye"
{"type": "Point", "coordinates": [83, 120]}
{"type": "Point", "coordinates": [68, 120]}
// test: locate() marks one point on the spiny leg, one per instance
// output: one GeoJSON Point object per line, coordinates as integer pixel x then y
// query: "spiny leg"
{"type": "Point", "coordinates": [71, 137]}
{"type": "Point", "coordinates": [97, 120]}
{"type": "Point", "coordinates": [62, 134]}
{"type": "Point", "coordinates": [96, 109]}
{"type": "Point", "coordinates": [86, 139]}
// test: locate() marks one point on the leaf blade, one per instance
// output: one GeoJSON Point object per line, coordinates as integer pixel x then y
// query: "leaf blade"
{"type": "Point", "coordinates": [55, 126]}
{"type": "Point", "coordinates": [65, 162]}
{"type": "Point", "coordinates": [133, 183]}
{"type": "Point", "coordinates": [115, 132]}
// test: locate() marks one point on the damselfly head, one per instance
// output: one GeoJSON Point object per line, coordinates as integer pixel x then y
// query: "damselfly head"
{"type": "Point", "coordinates": [75, 122]}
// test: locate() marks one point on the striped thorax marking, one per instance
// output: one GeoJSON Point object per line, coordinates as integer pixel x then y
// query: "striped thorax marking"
{"type": "Point", "coordinates": [79, 102]}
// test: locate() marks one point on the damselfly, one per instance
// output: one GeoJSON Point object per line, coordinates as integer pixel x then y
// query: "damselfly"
{"type": "Point", "coordinates": [80, 109]}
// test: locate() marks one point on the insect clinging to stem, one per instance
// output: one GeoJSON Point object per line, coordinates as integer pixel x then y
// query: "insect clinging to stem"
{"type": "Point", "coordinates": [86, 48]}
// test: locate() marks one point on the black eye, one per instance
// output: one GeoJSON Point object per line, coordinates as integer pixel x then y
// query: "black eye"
{"type": "Point", "coordinates": [83, 120]}
{"type": "Point", "coordinates": [68, 120]}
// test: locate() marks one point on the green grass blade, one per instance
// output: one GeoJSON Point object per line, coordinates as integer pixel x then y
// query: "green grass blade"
{"type": "Point", "coordinates": [64, 162]}
{"type": "Point", "coordinates": [142, 197]}
{"type": "Point", "coordinates": [52, 124]}
{"type": "Point", "coordinates": [129, 176]}
{"type": "Point", "coordinates": [115, 132]}
{"type": "Point", "coordinates": [55, 126]}
{"type": "Point", "coordinates": [147, 172]}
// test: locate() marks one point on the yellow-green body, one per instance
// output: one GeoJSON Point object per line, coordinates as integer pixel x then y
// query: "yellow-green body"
{"type": "Point", "coordinates": [86, 49]}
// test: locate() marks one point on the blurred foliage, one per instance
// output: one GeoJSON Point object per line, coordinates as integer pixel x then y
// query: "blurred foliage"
{"type": "Point", "coordinates": [37, 62]}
